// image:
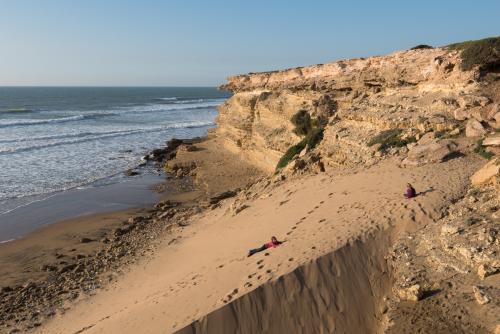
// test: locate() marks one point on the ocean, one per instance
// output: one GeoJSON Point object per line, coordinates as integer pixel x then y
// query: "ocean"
{"type": "Point", "coordinates": [54, 139]}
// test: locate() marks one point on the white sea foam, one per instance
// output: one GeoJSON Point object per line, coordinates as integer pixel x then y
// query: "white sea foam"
{"type": "Point", "coordinates": [99, 136]}
{"type": "Point", "coordinates": [21, 122]}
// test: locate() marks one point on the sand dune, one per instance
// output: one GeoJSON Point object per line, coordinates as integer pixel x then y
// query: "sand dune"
{"type": "Point", "coordinates": [333, 225]}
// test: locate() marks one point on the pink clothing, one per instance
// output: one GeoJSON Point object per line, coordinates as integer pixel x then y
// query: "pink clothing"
{"type": "Point", "coordinates": [271, 244]}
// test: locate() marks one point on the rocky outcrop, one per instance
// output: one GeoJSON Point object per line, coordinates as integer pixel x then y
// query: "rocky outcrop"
{"type": "Point", "coordinates": [416, 91]}
{"type": "Point", "coordinates": [488, 173]}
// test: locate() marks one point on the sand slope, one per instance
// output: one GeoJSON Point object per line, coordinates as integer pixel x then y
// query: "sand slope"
{"type": "Point", "coordinates": [205, 267]}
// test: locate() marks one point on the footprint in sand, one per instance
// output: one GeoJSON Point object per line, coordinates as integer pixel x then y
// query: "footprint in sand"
{"type": "Point", "coordinates": [310, 212]}
{"type": "Point", "coordinates": [290, 259]}
{"type": "Point", "coordinates": [313, 247]}
{"type": "Point", "coordinates": [266, 254]}
{"type": "Point", "coordinates": [294, 227]}
{"type": "Point", "coordinates": [251, 275]}
{"type": "Point", "coordinates": [288, 233]}
{"type": "Point", "coordinates": [316, 207]}
{"type": "Point", "coordinates": [248, 284]}
{"type": "Point", "coordinates": [260, 267]}
{"type": "Point", "coordinates": [260, 261]}
{"type": "Point", "coordinates": [322, 220]}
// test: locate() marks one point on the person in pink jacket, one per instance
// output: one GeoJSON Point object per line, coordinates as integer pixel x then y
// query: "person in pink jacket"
{"type": "Point", "coordinates": [271, 244]}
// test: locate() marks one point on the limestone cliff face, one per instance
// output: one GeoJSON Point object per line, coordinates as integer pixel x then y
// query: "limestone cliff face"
{"type": "Point", "coordinates": [415, 90]}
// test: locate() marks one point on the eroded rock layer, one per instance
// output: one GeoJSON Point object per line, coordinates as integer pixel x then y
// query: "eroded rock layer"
{"type": "Point", "coordinates": [416, 91]}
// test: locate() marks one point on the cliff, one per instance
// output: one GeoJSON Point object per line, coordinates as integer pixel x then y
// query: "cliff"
{"type": "Point", "coordinates": [415, 91]}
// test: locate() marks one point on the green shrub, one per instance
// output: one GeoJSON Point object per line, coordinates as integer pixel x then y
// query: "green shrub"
{"type": "Point", "coordinates": [482, 52]}
{"type": "Point", "coordinates": [312, 129]}
{"type": "Point", "coordinates": [290, 153]}
{"type": "Point", "coordinates": [302, 122]}
{"type": "Point", "coordinates": [314, 137]}
{"type": "Point", "coordinates": [479, 149]}
{"type": "Point", "coordinates": [391, 138]}
{"type": "Point", "coordinates": [422, 46]}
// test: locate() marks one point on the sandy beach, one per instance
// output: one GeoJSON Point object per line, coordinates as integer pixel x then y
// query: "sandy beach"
{"type": "Point", "coordinates": [320, 157]}
{"type": "Point", "coordinates": [317, 216]}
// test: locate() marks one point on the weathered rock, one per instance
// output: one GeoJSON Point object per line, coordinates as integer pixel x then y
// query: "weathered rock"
{"type": "Point", "coordinates": [480, 295]}
{"type": "Point", "coordinates": [427, 138]}
{"type": "Point", "coordinates": [473, 128]}
{"type": "Point", "coordinates": [67, 268]}
{"type": "Point", "coordinates": [485, 270]}
{"type": "Point", "coordinates": [461, 114]}
{"type": "Point", "coordinates": [237, 208]}
{"type": "Point", "coordinates": [491, 141]}
{"type": "Point", "coordinates": [496, 117]}
{"type": "Point", "coordinates": [355, 100]}
{"type": "Point", "coordinates": [224, 195]}
{"type": "Point", "coordinates": [412, 293]}
{"type": "Point", "coordinates": [131, 172]}
{"type": "Point", "coordinates": [486, 173]}
{"type": "Point", "coordinates": [433, 151]}
{"type": "Point", "coordinates": [449, 229]}
{"type": "Point", "coordinates": [480, 114]}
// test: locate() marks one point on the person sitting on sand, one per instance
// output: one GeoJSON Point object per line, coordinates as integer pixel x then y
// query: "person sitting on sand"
{"type": "Point", "coordinates": [410, 191]}
{"type": "Point", "coordinates": [272, 244]}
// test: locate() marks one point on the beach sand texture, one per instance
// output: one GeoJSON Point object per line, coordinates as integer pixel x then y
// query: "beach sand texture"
{"type": "Point", "coordinates": [336, 229]}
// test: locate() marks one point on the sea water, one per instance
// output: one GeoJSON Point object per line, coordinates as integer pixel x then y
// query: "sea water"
{"type": "Point", "coordinates": [53, 139]}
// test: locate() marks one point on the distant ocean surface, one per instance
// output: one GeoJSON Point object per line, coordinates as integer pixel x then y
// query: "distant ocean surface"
{"type": "Point", "coordinates": [53, 139]}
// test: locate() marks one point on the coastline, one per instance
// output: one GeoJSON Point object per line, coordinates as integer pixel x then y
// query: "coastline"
{"type": "Point", "coordinates": [133, 192]}
{"type": "Point", "coordinates": [357, 255]}
{"type": "Point", "coordinates": [64, 262]}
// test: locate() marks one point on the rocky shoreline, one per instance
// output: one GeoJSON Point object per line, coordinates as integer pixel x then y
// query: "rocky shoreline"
{"type": "Point", "coordinates": [72, 275]}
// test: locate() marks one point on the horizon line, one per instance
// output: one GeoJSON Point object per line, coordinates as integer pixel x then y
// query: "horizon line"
{"type": "Point", "coordinates": [101, 86]}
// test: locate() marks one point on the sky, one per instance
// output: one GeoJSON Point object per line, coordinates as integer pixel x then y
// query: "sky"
{"type": "Point", "coordinates": [200, 43]}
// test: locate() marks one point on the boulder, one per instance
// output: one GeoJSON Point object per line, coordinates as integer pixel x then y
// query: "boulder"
{"type": "Point", "coordinates": [491, 141]}
{"type": "Point", "coordinates": [493, 112]}
{"type": "Point", "coordinates": [430, 152]}
{"type": "Point", "coordinates": [480, 114]}
{"type": "Point", "coordinates": [427, 138]}
{"type": "Point", "coordinates": [461, 114]}
{"type": "Point", "coordinates": [486, 173]}
{"type": "Point", "coordinates": [480, 295]}
{"type": "Point", "coordinates": [449, 229]}
{"type": "Point", "coordinates": [413, 293]}
{"type": "Point", "coordinates": [474, 128]}
{"type": "Point", "coordinates": [485, 270]}
{"type": "Point", "coordinates": [496, 117]}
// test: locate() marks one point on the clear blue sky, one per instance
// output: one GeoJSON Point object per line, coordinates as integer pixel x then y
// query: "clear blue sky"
{"type": "Point", "coordinates": [199, 43]}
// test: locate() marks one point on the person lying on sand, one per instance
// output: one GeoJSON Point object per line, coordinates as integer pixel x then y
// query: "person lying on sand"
{"type": "Point", "coordinates": [272, 244]}
{"type": "Point", "coordinates": [410, 191]}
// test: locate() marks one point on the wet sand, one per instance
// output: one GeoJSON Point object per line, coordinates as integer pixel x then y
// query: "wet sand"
{"type": "Point", "coordinates": [133, 192]}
